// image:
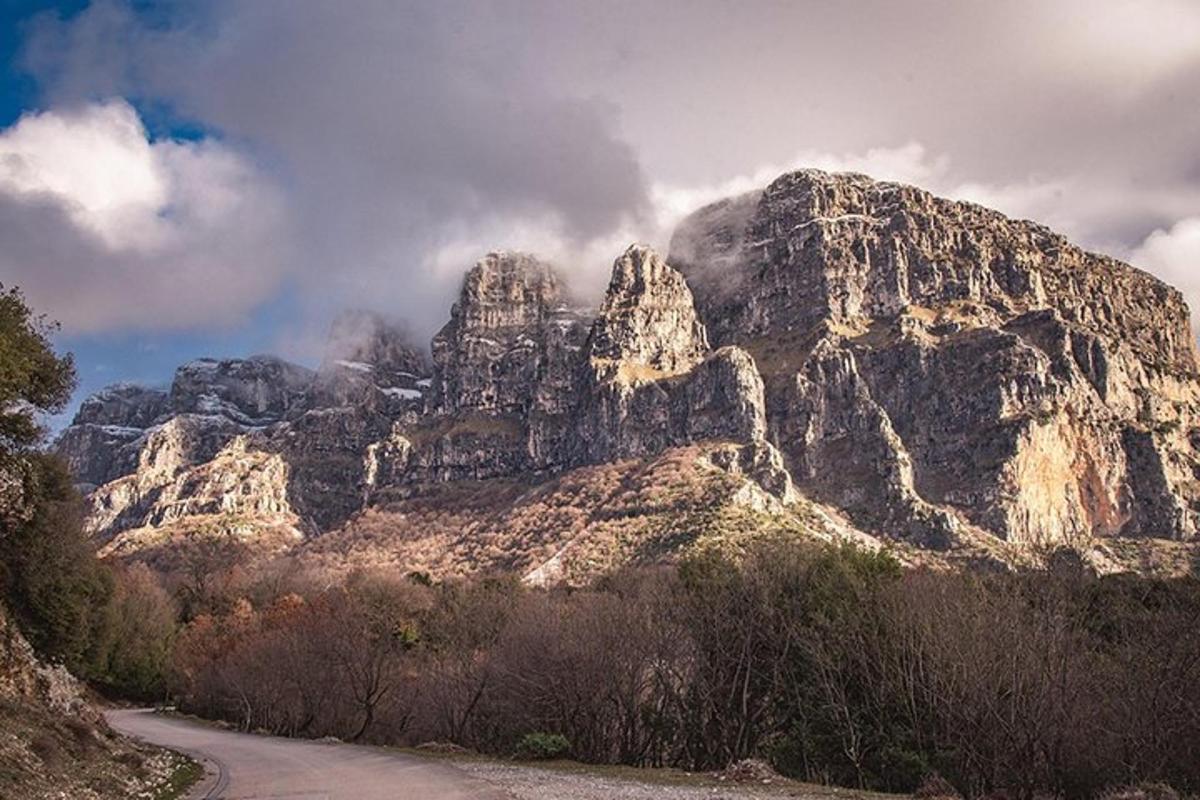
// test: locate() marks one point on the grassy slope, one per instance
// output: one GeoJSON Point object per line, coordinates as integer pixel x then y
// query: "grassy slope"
{"type": "Point", "coordinates": [589, 520]}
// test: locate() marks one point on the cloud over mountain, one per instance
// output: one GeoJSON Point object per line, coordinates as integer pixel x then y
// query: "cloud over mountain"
{"type": "Point", "coordinates": [109, 229]}
{"type": "Point", "coordinates": [407, 138]}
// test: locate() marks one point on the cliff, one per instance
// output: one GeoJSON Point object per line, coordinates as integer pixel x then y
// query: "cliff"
{"type": "Point", "coordinates": [932, 364]}
{"type": "Point", "coordinates": [916, 372]}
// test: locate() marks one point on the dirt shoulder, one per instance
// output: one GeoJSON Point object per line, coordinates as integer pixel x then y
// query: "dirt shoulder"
{"type": "Point", "coordinates": [569, 780]}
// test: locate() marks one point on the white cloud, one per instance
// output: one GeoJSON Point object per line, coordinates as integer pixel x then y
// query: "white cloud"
{"type": "Point", "coordinates": [95, 160]}
{"type": "Point", "coordinates": [1174, 256]}
{"type": "Point", "coordinates": [908, 163]}
{"type": "Point", "coordinates": [106, 229]}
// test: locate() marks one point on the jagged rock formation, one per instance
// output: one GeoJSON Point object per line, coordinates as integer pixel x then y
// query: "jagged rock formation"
{"type": "Point", "coordinates": [102, 442]}
{"type": "Point", "coordinates": [915, 369]}
{"type": "Point", "coordinates": [648, 320]}
{"type": "Point", "coordinates": [488, 355]}
{"type": "Point", "coordinates": [502, 365]}
{"type": "Point", "coordinates": [650, 380]}
{"type": "Point", "coordinates": [247, 442]}
{"type": "Point", "coordinates": [933, 365]}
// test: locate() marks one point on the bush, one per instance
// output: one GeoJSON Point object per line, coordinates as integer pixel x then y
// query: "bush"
{"type": "Point", "coordinates": [541, 746]}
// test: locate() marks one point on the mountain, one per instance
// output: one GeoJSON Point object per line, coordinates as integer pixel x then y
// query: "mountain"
{"type": "Point", "coordinates": [830, 356]}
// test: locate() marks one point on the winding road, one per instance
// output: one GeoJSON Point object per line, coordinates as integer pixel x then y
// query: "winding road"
{"type": "Point", "coordinates": [241, 766]}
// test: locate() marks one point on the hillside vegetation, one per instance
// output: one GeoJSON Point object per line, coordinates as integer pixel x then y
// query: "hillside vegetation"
{"type": "Point", "coordinates": [832, 662]}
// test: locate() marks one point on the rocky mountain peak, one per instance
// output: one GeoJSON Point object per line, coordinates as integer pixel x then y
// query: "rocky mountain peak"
{"type": "Point", "coordinates": [123, 405]}
{"type": "Point", "coordinates": [486, 357]}
{"type": "Point", "coordinates": [507, 290]}
{"type": "Point", "coordinates": [648, 318]}
{"type": "Point", "coordinates": [847, 249]}
{"type": "Point", "coordinates": [988, 372]}
{"type": "Point", "coordinates": [250, 391]}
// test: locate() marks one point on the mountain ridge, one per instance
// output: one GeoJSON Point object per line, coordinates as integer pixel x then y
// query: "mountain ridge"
{"type": "Point", "coordinates": [938, 378]}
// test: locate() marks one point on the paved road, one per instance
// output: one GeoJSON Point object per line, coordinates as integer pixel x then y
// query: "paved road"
{"type": "Point", "coordinates": [245, 766]}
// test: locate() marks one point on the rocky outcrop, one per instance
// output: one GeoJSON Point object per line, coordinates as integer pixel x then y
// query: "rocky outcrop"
{"type": "Point", "coordinates": [54, 743]}
{"type": "Point", "coordinates": [166, 481]}
{"type": "Point", "coordinates": [102, 442]}
{"type": "Point", "coordinates": [488, 357]}
{"type": "Point", "coordinates": [287, 441]}
{"type": "Point", "coordinates": [648, 321]}
{"type": "Point", "coordinates": [933, 365]}
{"type": "Point", "coordinates": [24, 678]}
{"type": "Point", "coordinates": [649, 380]}
{"type": "Point", "coordinates": [503, 367]}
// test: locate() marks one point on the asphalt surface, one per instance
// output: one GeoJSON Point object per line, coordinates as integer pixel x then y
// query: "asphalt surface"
{"type": "Point", "coordinates": [242, 766]}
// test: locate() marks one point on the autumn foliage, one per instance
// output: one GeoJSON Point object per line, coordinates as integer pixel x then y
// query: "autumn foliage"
{"type": "Point", "coordinates": [833, 663]}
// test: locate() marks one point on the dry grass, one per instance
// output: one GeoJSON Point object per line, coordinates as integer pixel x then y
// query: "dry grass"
{"type": "Point", "coordinates": [592, 519]}
{"type": "Point", "coordinates": [46, 755]}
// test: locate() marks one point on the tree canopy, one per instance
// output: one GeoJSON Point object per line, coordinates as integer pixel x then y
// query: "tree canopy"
{"type": "Point", "coordinates": [34, 380]}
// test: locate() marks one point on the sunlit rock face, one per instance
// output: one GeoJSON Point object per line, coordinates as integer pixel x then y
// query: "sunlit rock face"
{"type": "Point", "coordinates": [648, 319]}
{"type": "Point", "coordinates": [917, 370]}
{"type": "Point", "coordinates": [934, 360]}
{"type": "Point", "coordinates": [648, 378]}
{"type": "Point", "coordinates": [159, 458]}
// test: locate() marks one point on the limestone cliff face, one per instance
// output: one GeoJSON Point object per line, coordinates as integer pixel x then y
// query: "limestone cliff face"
{"type": "Point", "coordinates": [920, 370]}
{"type": "Point", "coordinates": [487, 357]}
{"type": "Point", "coordinates": [254, 439]}
{"type": "Point", "coordinates": [104, 439]}
{"type": "Point", "coordinates": [648, 319]}
{"type": "Point", "coordinates": [649, 380]}
{"type": "Point", "coordinates": [932, 363]}
{"type": "Point", "coordinates": [503, 365]}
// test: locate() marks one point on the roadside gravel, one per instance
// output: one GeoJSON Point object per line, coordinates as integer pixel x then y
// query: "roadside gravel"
{"type": "Point", "coordinates": [577, 782]}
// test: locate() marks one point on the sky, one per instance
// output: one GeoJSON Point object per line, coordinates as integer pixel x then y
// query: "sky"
{"type": "Point", "coordinates": [220, 177]}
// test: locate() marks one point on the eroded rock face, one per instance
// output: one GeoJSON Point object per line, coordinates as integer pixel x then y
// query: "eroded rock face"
{"type": "Point", "coordinates": [487, 356]}
{"type": "Point", "coordinates": [924, 370]}
{"type": "Point", "coordinates": [103, 441]}
{"type": "Point", "coordinates": [649, 380]}
{"type": "Point", "coordinates": [648, 319]}
{"type": "Point", "coordinates": [504, 366]}
{"type": "Point", "coordinates": [931, 363]}
{"type": "Point", "coordinates": [249, 391]}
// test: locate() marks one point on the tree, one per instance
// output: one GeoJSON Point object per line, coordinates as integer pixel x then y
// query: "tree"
{"type": "Point", "coordinates": [34, 380]}
{"type": "Point", "coordinates": [49, 573]}
{"type": "Point", "coordinates": [140, 630]}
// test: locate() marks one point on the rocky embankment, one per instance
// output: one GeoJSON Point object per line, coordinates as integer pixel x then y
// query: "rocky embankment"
{"type": "Point", "coordinates": [53, 744]}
